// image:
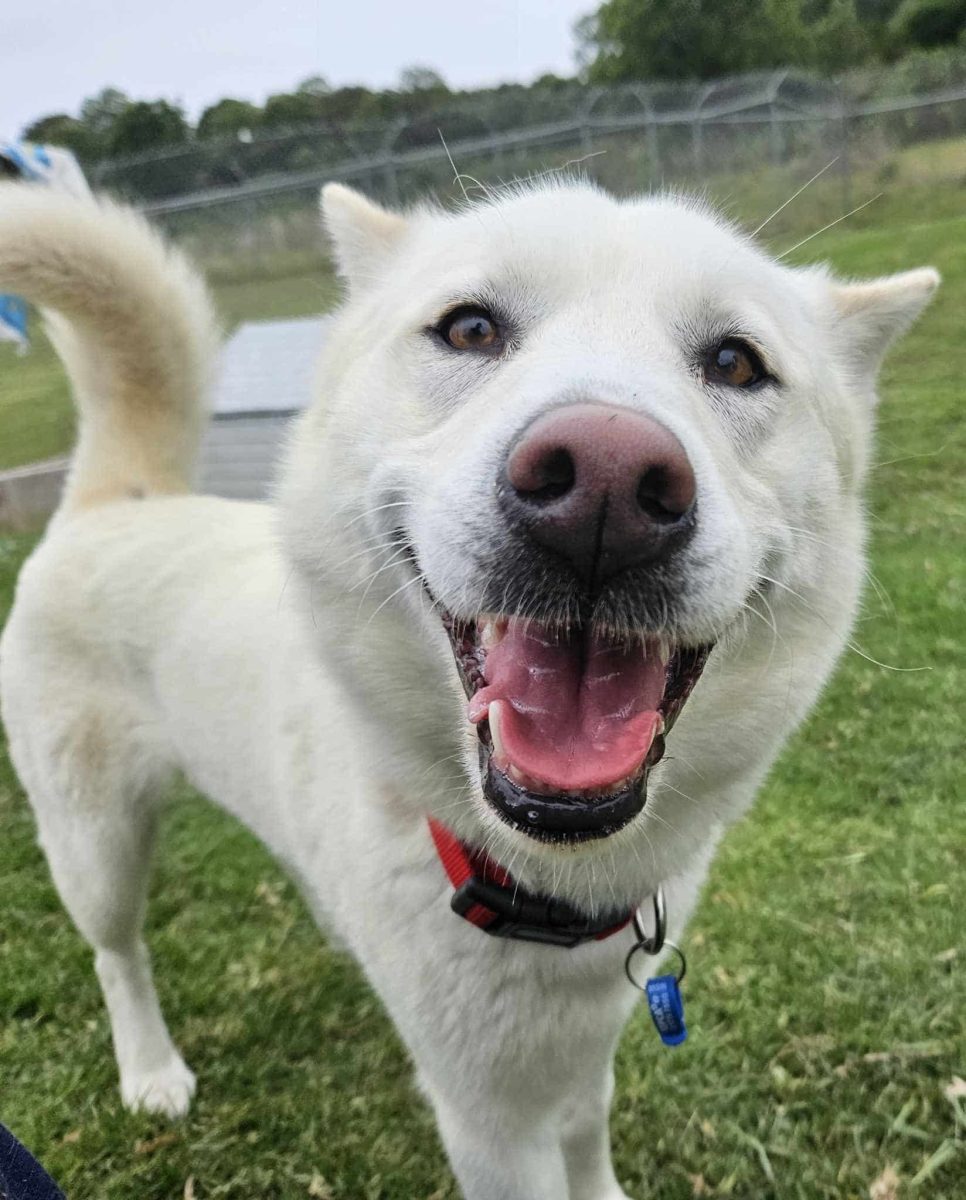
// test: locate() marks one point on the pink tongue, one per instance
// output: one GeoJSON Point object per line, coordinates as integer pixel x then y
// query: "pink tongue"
{"type": "Point", "coordinates": [576, 713]}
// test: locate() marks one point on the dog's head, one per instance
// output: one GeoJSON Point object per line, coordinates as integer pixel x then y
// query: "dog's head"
{"type": "Point", "coordinates": [567, 450]}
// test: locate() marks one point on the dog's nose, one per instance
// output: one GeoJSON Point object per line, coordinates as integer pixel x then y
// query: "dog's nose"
{"type": "Point", "coordinates": [604, 487]}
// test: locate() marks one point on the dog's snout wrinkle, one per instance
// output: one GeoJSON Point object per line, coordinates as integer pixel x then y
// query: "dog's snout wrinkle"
{"type": "Point", "coordinates": [603, 487]}
{"type": "Point", "coordinates": [599, 541]}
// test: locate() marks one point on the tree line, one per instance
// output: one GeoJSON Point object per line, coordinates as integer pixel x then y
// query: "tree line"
{"type": "Point", "coordinates": [113, 125]}
{"type": "Point", "coordinates": [623, 40]}
{"type": "Point", "coordinates": [709, 39]}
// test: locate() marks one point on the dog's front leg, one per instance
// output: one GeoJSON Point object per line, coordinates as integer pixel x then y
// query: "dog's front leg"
{"type": "Point", "coordinates": [510, 1156]}
{"type": "Point", "coordinates": [586, 1145]}
{"type": "Point", "coordinates": [509, 1144]}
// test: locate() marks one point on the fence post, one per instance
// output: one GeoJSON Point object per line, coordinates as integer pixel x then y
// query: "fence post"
{"type": "Point", "coordinates": [776, 139]}
{"type": "Point", "coordinates": [390, 178]}
{"type": "Point", "coordinates": [586, 130]}
{"type": "Point", "coordinates": [697, 144]}
{"type": "Point", "coordinates": [497, 157]}
{"type": "Point", "coordinates": [697, 129]}
{"type": "Point", "coordinates": [776, 134]}
{"type": "Point", "coordinates": [391, 182]}
{"type": "Point", "coordinates": [845, 148]}
{"type": "Point", "coordinates": [643, 94]}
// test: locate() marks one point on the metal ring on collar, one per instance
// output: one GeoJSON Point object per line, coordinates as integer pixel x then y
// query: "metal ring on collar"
{"type": "Point", "coordinates": [680, 974]}
{"type": "Point", "coordinates": [655, 944]}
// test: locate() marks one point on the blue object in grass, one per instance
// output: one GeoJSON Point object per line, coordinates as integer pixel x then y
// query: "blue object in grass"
{"type": "Point", "coordinates": [21, 1176]}
{"type": "Point", "coordinates": [13, 321]}
{"type": "Point", "coordinates": [667, 1009]}
{"type": "Point", "coordinates": [32, 164]}
{"type": "Point", "coordinates": [20, 162]}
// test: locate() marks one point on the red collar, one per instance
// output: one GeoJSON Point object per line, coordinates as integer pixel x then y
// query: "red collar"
{"type": "Point", "coordinates": [488, 898]}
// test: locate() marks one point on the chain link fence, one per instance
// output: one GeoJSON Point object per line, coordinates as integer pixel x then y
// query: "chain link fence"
{"type": "Point", "coordinates": [249, 204]}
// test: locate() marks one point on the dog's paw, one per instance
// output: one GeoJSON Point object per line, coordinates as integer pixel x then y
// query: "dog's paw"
{"type": "Point", "coordinates": [166, 1091]}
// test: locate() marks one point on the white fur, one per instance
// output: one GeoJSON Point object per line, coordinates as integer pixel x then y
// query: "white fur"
{"type": "Point", "coordinates": [304, 682]}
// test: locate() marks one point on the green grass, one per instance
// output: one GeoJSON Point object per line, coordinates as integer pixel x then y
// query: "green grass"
{"type": "Point", "coordinates": [36, 416]}
{"type": "Point", "coordinates": [826, 984]}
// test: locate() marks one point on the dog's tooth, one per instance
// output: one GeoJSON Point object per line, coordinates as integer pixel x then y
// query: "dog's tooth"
{"type": "Point", "coordinates": [491, 631]}
{"type": "Point", "coordinates": [477, 709]}
{"type": "Point", "coordinates": [495, 713]}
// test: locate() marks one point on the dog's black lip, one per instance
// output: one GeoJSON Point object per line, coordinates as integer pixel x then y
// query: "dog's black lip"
{"type": "Point", "coordinates": [560, 818]}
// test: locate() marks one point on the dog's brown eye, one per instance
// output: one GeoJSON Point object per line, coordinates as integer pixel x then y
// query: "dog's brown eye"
{"type": "Point", "coordinates": [734, 363]}
{"type": "Point", "coordinates": [472, 329]}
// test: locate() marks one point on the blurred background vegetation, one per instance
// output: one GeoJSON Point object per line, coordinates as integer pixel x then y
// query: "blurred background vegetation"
{"type": "Point", "coordinates": [623, 41]}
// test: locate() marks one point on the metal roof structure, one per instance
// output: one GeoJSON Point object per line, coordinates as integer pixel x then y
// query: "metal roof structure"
{"type": "Point", "coordinates": [269, 367]}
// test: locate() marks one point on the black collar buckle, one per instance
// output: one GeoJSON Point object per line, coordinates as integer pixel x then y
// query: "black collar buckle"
{"type": "Point", "coordinates": [521, 916]}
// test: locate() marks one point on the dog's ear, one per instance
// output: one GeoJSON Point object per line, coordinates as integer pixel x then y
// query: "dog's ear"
{"type": "Point", "coordinates": [363, 234]}
{"type": "Point", "coordinates": [875, 312]}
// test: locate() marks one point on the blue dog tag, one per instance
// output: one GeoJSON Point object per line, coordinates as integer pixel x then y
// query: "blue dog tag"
{"type": "Point", "coordinates": [663, 992]}
{"type": "Point", "coordinates": [667, 1009]}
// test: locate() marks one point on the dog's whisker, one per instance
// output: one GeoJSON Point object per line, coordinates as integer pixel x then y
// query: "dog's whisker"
{"type": "Point", "coordinates": [371, 512]}
{"type": "Point", "coordinates": [830, 225]}
{"type": "Point", "coordinates": [364, 550]}
{"type": "Point", "coordinates": [395, 562]}
{"type": "Point", "coordinates": [809, 535]}
{"type": "Point", "coordinates": [457, 177]}
{"type": "Point", "coordinates": [417, 579]}
{"type": "Point", "coordinates": [794, 196]}
{"type": "Point", "coordinates": [772, 621]}
{"type": "Point", "coordinates": [439, 762]}
{"type": "Point", "coordinates": [810, 608]}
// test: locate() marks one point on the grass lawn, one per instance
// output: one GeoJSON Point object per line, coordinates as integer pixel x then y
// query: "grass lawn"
{"type": "Point", "coordinates": [826, 983]}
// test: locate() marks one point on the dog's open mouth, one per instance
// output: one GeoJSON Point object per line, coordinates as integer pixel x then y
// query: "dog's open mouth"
{"type": "Point", "coordinates": [569, 723]}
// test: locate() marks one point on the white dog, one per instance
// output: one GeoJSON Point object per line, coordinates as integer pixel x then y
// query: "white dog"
{"type": "Point", "coordinates": [566, 451]}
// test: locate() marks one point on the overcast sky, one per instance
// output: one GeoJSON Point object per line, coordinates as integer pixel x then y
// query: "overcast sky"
{"type": "Point", "coordinates": [53, 53]}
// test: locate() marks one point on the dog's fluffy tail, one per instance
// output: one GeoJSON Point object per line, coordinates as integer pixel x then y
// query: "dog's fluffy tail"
{"type": "Point", "coordinates": [135, 328]}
